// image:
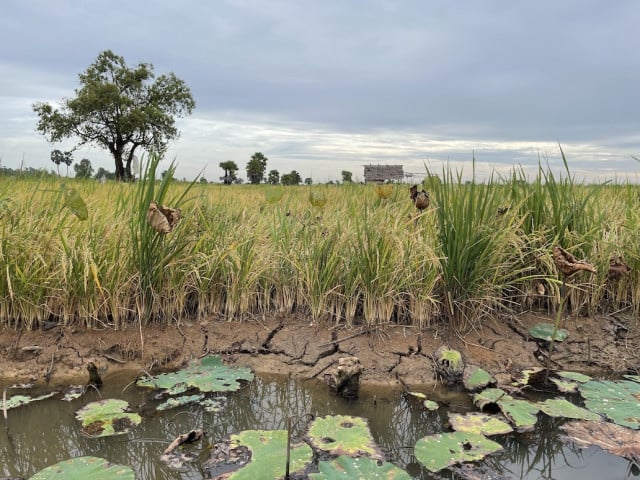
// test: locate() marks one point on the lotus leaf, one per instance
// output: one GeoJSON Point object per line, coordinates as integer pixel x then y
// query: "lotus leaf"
{"type": "Point", "coordinates": [574, 376]}
{"type": "Point", "coordinates": [478, 423]}
{"type": "Point", "coordinates": [208, 375]}
{"type": "Point", "coordinates": [180, 401]}
{"type": "Point", "coordinates": [268, 454]}
{"type": "Point", "coordinates": [545, 331]}
{"type": "Point", "coordinates": [74, 392]}
{"type": "Point", "coordinates": [633, 378]}
{"type": "Point", "coordinates": [106, 418]}
{"type": "Point", "coordinates": [343, 435]}
{"type": "Point", "coordinates": [74, 202]}
{"type": "Point", "coordinates": [614, 438]}
{"type": "Point", "coordinates": [19, 400]}
{"type": "Point", "coordinates": [530, 376]}
{"type": "Point", "coordinates": [442, 450]}
{"type": "Point", "coordinates": [451, 358]}
{"type": "Point", "coordinates": [559, 407]}
{"type": "Point", "coordinates": [476, 378]}
{"type": "Point", "coordinates": [521, 413]}
{"type": "Point", "coordinates": [363, 468]}
{"type": "Point", "coordinates": [617, 400]}
{"type": "Point", "coordinates": [565, 386]}
{"type": "Point", "coordinates": [431, 405]}
{"type": "Point", "coordinates": [85, 468]}
{"type": "Point", "coordinates": [489, 396]}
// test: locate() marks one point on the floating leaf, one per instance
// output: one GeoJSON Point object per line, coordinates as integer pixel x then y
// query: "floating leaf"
{"type": "Point", "coordinates": [568, 381]}
{"type": "Point", "coordinates": [74, 392]}
{"type": "Point", "coordinates": [614, 438]}
{"type": "Point", "coordinates": [343, 435]}
{"type": "Point", "coordinates": [617, 400]}
{"type": "Point", "coordinates": [431, 405]}
{"type": "Point", "coordinates": [426, 403]}
{"type": "Point", "coordinates": [530, 376]}
{"type": "Point", "coordinates": [74, 202]}
{"type": "Point", "coordinates": [565, 386]}
{"type": "Point", "coordinates": [476, 378]}
{"type": "Point", "coordinates": [559, 407]}
{"type": "Point", "coordinates": [478, 423]}
{"type": "Point", "coordinates": [20, 400]}
{"type": "Point", "coordinates": [179, 401]}
{"type": "Point", "coordinates": [348, 468]}
{"type": "Point", "coordinates": [85, 468]}
{"type": "Point", "coordinates": [106, 418]}
{"type": "Point", "coordinates": [208, 375]}
{"type": "Point", "coordinates": [545, 331]}
{"type": "Point", "coordinates": [489, 396]}
{"type": "Point", "coordinates": [442, 450]}
{"type": "Point", "coordinates": [574, 376]}
{"type": "Point", "coordinates": [268, 451]}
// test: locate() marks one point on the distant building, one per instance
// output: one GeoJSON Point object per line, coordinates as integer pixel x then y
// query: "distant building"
{"type": "Point", "coordinates": [383, 173]}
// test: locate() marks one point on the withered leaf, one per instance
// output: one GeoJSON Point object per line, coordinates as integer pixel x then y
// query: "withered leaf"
{"type": "Point", "coordinates": [568, 264]}
{"type": "Point", "coordinates": [162, 218]}
{"type": "Point", "coordinates": [616, 439]}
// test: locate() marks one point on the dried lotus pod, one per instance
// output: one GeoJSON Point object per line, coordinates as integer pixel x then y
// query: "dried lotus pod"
{"type": "Point", "coordinates": [162, 218]}
{"type": "Point", "coordinates": [567, 263]}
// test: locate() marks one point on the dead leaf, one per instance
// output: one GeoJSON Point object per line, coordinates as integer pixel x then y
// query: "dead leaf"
{"type": "Point", "coordinates": [162, 218]}
{"type": "Point", "coordinates": [617, 268]}
{"type": "Point", "coordinates": [568, 264]}
{"type": "Point", "coordinates": [616, 439]}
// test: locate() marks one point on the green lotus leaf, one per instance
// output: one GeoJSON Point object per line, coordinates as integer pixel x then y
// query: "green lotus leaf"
{"type": "Point", "coordinates": [343, 435]}
{"type": "Point", "coordinates": [559, 407]}
{"type": "Point", "coordinates": [426, 403]}
{"type": "Point", "coordinates": [74, 202]}
{"type": "Point", "coordinates": [573, 376]}
{"type": "Point", "coordinates": [442, 450]}
{"type": "Point", "coordinates": [208, 375]}
{"type": "Point", "coordinates": [522, 413]}
{"type": "Point", "coordinates": [489, 396]}
{"type": "Point", "coordinates": [348, 468]}
{"type": "Point", "coordinates": [545, 331]}
{"type": "Point", "coordinates": [633, 378]}
{"type": "Point", "coordinates": [20, 400]}
{"type": "Point", "coordinates": [106, 418]}
{"type": "Point", "coordinates": [180, 401]}
{"type": "Point", "coordinates": [617, 400]}
{"type": "Point", "coordinates": [450, 358]}
{"type": "Point", "coordinates": [476, 378]}
{"type": "Point", "coordinates": [478, 423]}
{"type": "Point", "coordinates": [85, 468]}
{"type": "Point", "coordinates": [268, 454]}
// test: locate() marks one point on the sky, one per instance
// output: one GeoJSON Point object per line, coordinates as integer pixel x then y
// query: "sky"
{"type": "Point", "coordinates": [325, 86]}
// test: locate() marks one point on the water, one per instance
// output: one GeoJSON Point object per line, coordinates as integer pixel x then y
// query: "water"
{"type": "Point", "coordinates": [46, 432]}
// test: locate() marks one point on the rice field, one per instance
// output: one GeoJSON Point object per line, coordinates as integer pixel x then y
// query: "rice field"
{"type": "Point", "coordinates": [340, 254]}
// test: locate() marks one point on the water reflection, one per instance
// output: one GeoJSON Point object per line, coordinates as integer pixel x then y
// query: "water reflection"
{"type": "Point", "coordinates": [46, 432]}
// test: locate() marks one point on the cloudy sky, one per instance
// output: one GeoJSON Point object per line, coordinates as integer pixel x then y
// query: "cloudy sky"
{"type": "Point", "coordinates": [332, 85]}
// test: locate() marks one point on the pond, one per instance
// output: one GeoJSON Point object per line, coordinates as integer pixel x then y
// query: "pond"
{"type": "Point", "coordinates": [46, 432]}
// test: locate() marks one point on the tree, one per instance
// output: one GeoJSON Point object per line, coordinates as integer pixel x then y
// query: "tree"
{"type": "Point", "coordinates": [308, 181]}
{"type": "Point", "coordinates": [346, 176]}
{"type": "Point", "coordinates": [230, 168]}
{"type": "Point", "coordinates": [103, 173]}
{"type": "Point", "coordinates": [256, 168]}
{"type": "Point", "coordinates": [292, 178]}
{"type": "Point", "coordinates": [203, 180]}
{"type": "Point", "coordinates": [120, 109]}
{"type": "Point", "coordinates": [274, 177]}
{"type": "Point", "coordinates": [59, 157]}
{"type": "Point", "coordinates": [83, 169]}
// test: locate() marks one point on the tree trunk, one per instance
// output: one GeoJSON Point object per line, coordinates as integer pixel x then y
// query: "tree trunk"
{"type": "Point", "coordinates": [120, 172]}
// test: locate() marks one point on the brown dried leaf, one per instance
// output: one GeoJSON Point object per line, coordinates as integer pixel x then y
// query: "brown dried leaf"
{"type": "Point", "coordinates": [616, 439]}
{"type": "Point", "coordinates": [568, 264]}
{"type": "Point", "coordinates": [162, 218]}
{"type": "Point", "coordinates": [617, 268]}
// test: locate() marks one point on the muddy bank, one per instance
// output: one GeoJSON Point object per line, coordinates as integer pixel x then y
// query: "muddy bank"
{"type": "Point", "coordinates": [392, 355]}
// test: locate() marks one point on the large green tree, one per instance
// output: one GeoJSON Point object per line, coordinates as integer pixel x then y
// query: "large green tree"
{"type": "Point", "coordinates": [119, 108]}
{"type": "Point", "coordinates": [274, 177]}
{"type": "Point", "coordinates": [256, 168]}
{"type": "Point", "coordinates": [292, 178]}
{"type": "Point", "coordinates": [230, 168]}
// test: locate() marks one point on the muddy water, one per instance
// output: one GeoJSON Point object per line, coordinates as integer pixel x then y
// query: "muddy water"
{"type": "Point", "coordinates": [46, 432]}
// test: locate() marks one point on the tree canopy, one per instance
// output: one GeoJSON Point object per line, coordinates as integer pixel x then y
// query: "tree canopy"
{"type": "Point", "coordinates": [84, 169]}
{"type": "Point", "coordinates": [256, 168]}
{"type": "Point", "coordinates": [119, 108]}
{"type": "Point", "coordinates": [292, 178]}
{"type": "Point", "coordinates": [230, 168]}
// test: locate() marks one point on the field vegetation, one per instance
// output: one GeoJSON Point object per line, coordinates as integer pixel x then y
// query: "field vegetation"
{"type": "Point", "coordinates": [341, 254]}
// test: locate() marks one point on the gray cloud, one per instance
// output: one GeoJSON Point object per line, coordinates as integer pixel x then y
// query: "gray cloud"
{"type": "Point", "coordinates": [328, 86]}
